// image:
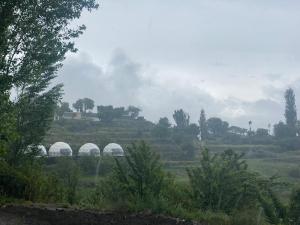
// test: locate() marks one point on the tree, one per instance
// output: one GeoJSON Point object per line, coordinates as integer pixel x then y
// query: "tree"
{"type": "Point", "coordinates": [109, 113]}
{"type": "Point", "coordinates": [250, 126]}
{"type": "Point", "coordinates": [182, 119]}
{"type": "Point", "coordinates": [203, 125]}
{"type": "Point", "coordinates": [261, 132]}
{"type": "Point", "coordinates": [237, 130]}
{"type": "Point", "coordinates": [62, 108]}
{"type": "Point", "coordinates": [217, 127]}
{"type": "Point", "coordinates": [105, 113]}
{"type": "Point", "coordinates": [34, 38]}
{"type": "Point", "coordinates": [68, 171]}
{"type": "Point", "coordinates": [88, 104]}
{"type": "Point", "coordinates": [162, 128]}
{"type": "Point", "coordinates": [78, 105]}
{"type": "Point", "coordinates": [133, 111]}
{"type": "Point", "coordinates": [294, 209]}
{"type": "Point", "coordinates": [290, 111]}
{"type": "Point", "coordinates": [281, 130]}
{"type": "Point", "coordinates": [141, 178]}
{"type": "Point", "coordinates": [223, 183]}
{"type": "Point", "coordinates": [193, 130]}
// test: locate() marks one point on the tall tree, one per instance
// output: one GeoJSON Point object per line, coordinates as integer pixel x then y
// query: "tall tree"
{"type": "Point", "coordinates": [290, 111]}
{"type": "Point", "coordinates": [182, 119]}
{"type": "Point", "coordinates": [78, 105]}
{"type": "Point", "coordinates": [88, 104]}
{"type": "Point", "coordinates": [35, 35]}
{"type": "Point", "coordinates": [203, 125]}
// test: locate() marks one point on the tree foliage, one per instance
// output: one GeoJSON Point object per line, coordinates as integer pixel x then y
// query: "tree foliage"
{"type": "Point", "coordinates": [162, 128]}
{"type": "Point", "coordinates": [290, 111]}
{"type": "Point", "coordinates": [140, 178]}
{"type": "Point", "coordinates": [35, 35]}
{"type": "Point", "coordinates": [223, 183]}
{"type": "Point", "coordinates": [294, 210]}
{"type": "Point", "coordinates": [181, 118]}
{"type": "Point", "coordinates": [217, 127]}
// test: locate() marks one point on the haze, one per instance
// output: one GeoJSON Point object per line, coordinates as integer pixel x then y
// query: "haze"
{"type": "Point", "coordinates": [232, 58]}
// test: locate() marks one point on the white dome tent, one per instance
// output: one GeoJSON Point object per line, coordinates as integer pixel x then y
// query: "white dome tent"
{"type": "Point", "coordinates": [60, 149]}
{"type": "Point", "coordinates": [89, 149]}
{"type": "Point", "coordinates": [113, 149]}
{"type": "Point", "coordinates": [41, 149]}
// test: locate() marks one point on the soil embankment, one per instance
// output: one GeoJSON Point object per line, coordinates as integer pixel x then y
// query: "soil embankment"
{"type": "Point", "coordinates": [25, 215]}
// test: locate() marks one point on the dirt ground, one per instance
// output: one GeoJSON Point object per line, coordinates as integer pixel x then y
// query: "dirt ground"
{"type": "Point", "coordinates": [37, 215]}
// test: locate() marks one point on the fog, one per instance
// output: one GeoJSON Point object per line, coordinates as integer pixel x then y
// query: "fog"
{"type": "Point", "coordinates": [232, 58]}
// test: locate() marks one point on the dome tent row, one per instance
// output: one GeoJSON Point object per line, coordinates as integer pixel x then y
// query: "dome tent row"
{"type": "Point", "coordinates": [60, 149]}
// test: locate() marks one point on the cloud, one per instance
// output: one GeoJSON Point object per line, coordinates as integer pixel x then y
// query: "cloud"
{"type": "Point", "coordinates": [124, 82]}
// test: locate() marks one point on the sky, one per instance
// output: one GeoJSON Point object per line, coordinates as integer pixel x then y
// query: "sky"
{"type": "Point", "coordinates": [234, 58]}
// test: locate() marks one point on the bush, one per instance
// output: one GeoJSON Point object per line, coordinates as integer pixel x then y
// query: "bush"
{"type": "Point", "coordinates": [138, 181]}
{"type": "Point", "coordinates": [12, 182]}
{"type": "Point", "coordinates": [294, 210]}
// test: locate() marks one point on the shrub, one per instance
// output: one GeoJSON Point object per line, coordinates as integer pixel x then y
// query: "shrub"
{"type": "Point", "coordinates": [294, 210]}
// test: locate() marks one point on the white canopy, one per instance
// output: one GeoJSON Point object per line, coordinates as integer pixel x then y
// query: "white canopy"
{"type": "Point", "coordinates": [89, 149]}
{"type": "Point", "coordinates": [60, 149]}
{"type": "Point", "coordinates": [113, 149]}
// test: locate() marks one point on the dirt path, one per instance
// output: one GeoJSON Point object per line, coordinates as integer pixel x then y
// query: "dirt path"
{"type": "Point", "coordinates": [25, 215]}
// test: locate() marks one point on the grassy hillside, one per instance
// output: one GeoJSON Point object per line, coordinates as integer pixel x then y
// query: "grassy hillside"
{"type": "Point", "coordinates": [121, 131]}
{"type": "Point", "coordinates": [266, 159]}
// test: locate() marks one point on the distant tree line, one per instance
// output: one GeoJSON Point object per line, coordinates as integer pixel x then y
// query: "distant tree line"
{"type": "Point", "coordinates": [105, 113]}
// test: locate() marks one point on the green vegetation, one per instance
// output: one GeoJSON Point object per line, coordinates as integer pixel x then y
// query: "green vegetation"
{"type": "Point", "coordinates": [232, 183]}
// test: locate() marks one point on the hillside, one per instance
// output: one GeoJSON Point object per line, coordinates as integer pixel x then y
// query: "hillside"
{"type": "Point", "coordinates": [122, 131]}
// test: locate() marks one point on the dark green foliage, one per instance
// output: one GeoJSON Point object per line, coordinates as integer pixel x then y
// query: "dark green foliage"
{"type": "Point", "coordinates": [222, 182]}
{"type": "Point", "coordinates": [83, 105]}
{"type": "Point", "coordinates": [290, 111]}
{"type": "Point", "coordinates": [78, 105]}
{"type": "Point", "coordinates": [181, 118]}
{"type": "Point", "coordinates": [34, 113]}
{"type": "Point", "coordinates": [216, 127]}
{"type": "Point", "coordinates": [294, 210]}
{"type": "Point", "coordinates": [62, 108]}
{"type": "Point", "coordinates": [261, 132]}
{"type": "Point", "coordinates": [68, 172]}
{"type": "Point", "coordinates": [108, 113]}
{"type": "Point", "coordinates": [34, 38]}
{"type": "Point", "coordinates": [162, 128]}
{"type": "Point", "coordinates": [282, 130]}
{"type": "Point", "coordinates": [139, 179]}
{"type": "Point", "coordinates": [12, 182]}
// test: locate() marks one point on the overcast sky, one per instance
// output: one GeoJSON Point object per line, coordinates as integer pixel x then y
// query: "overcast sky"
{"type": "Point", "coordinates": [234, 58]}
